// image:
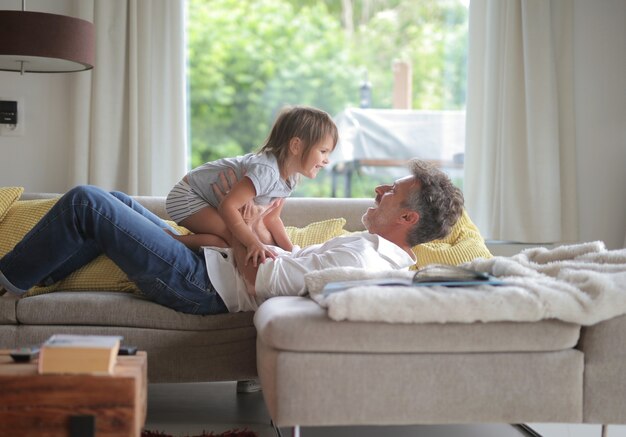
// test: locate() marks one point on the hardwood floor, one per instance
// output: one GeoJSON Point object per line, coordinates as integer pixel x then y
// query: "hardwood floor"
{"type": "Point", "coordinates": [190, 409]}
{"type": "Point", "coordinates": [185, 409]}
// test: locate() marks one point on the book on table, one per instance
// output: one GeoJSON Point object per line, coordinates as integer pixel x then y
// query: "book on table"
{"type": "Point", "coordinates": [63, 353]}
{"type": "Point", "coordinates": [431, 275]}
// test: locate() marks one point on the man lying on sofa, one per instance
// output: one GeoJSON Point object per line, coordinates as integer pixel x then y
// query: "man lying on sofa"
{"type": "Point", "coordinates": [87, 221]}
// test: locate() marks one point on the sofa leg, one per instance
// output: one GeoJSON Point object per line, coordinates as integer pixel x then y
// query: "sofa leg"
{"type": "Point", "coordinates": [276, 429]}
{"type": "Point", "coordinates": [295, 431]}
{"type": "Point", "coordinates": [605, 430]}
{"type": "Point", "coordinates": [526, 430]}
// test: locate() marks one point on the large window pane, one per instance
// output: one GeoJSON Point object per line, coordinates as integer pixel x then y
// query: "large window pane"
{"type": "Point", "coordinates": [249, 58]}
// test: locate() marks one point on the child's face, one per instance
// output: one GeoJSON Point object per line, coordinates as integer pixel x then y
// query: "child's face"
{"type": "Point", "coordinates": [317, 159]}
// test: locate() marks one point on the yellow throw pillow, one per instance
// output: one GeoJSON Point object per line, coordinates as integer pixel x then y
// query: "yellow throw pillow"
{"type": "Point", "coordinates": [316, 232]}
{"type": "Point", "coordinates": [99, 275]}
{"type": "Point", "coordinates": [463, 244]}
{"type": "Point", "coordinates": [19, 219]}
{"type": "Point", "coordinates": [8, 196]}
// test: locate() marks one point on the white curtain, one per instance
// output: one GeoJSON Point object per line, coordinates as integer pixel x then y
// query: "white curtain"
{"type": "Point", "coordinates": [131, 110]}
{"type": "Point", "coordinates": [520, 158]}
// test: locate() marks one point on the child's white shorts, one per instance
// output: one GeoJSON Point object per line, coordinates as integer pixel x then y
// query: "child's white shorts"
{"type": "Point", "coordinates": [183, 201]}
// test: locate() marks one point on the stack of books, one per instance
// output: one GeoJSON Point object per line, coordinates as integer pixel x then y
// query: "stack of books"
{"type": "Point", "coordinates": [94, 354]}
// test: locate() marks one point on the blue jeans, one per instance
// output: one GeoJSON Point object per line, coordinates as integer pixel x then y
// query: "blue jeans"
{"type": "Point", "coordinates": [88, 221]}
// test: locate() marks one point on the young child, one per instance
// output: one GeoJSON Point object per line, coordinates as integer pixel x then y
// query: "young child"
{"type": "Point", "coordinates": [299, 143]}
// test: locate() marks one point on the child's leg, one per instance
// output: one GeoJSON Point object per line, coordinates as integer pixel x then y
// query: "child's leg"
{"type": "Point", "coordinates": [208, 229]}
{"type": "Point", "coordinates": [207, 221]}
{"type": "Point", "coordinates": [185, 206]}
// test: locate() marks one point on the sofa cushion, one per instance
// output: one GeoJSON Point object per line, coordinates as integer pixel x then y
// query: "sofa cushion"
{"type": "Point", "coordinates": [463, 244]}
{"type": "Point", "coordinates": [7, 310]}
{"type": "Point", "coordinates": [8, 195]}
{"type": "Point", "coordinates": [300, 211]}
{"type": "Point", "coordinates": [100, 274]}
{"type": "Point", "coordinates": [117, 309]}
{"type": "Point", "coordinates": [299, 324]}
{"type": "Point", "coordinates": [330, 389]}
{"type": "Point", "coordinates": [605, 367]}
{"type": "Point", "coordinates": [316, 232]}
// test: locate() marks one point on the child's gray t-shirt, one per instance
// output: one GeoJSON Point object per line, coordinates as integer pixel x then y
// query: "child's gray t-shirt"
{"type": "Point", "coordinates": [261, 168]}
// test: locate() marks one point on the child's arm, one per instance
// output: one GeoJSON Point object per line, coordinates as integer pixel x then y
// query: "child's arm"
{"type": "Point", "coordinates": [240, 194]}
{"type": "Point", "coordinates": [275, 225]}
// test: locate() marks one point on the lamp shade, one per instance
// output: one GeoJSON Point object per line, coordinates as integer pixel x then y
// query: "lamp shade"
{"type": "Point", "coordinates": [38, 42]}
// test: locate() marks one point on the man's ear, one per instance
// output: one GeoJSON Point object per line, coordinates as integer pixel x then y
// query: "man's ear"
{"type": "Point", "coordinates": [410, 217]}
{"type": "Point", "coordinates": [295, 145]}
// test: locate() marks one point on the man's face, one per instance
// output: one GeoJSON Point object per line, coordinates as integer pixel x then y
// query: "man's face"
{"type": "Point", "coordinates": [389, 205]}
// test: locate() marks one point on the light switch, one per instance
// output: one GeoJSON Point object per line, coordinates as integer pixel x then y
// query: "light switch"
{"type": "Point", "coordinates": [11, 117]}
{"type": "Point", "coordinates": [8, 111]}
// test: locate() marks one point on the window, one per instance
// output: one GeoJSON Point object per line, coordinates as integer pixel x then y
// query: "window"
{"type": "Point", "coordinates": [249, 58]}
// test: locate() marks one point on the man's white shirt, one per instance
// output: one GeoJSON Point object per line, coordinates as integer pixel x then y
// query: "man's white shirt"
{"type": "Point", "coordinates": [285, 274]}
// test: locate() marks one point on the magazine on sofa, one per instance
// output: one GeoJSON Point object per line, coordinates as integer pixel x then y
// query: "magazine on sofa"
{"type": "Point", "coordinates": [434, 274]}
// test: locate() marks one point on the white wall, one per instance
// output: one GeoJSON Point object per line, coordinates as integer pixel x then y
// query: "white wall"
{"type": "Point", "coordinates": [38, 160]}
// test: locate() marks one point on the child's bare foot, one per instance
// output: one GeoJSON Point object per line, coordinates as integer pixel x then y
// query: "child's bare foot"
{"type": "Point", "coordinates": [171, 234]}
{"type": "Point", "coordinates": [196, 241]}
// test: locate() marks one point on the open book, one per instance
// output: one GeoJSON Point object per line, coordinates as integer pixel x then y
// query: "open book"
{"type": "Point", "coordinates": [434, 274]}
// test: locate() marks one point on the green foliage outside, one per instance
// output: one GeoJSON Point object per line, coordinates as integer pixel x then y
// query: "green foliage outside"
{"type": "Point", "coordinates": [250, 58]}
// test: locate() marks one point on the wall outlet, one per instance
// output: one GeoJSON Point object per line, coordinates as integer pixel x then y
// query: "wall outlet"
{"type": "Point", "coordinates": [14, 130]}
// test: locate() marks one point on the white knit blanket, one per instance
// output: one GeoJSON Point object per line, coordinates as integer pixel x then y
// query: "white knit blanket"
{"type": "Point", "coordinates": [582, 283]}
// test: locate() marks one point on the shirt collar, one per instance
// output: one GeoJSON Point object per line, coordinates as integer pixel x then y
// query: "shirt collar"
{"type": "Point", "coordinates": [392, 252]}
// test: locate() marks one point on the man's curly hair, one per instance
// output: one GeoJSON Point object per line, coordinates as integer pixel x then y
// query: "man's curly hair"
{"type": "Point", "coordinates": [438, 202]}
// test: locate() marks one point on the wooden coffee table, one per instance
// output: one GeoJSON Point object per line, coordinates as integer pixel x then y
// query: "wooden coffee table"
{"type": "Point", "coordinates": [73, 405]}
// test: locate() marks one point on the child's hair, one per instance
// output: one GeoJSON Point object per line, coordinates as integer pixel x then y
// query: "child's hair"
{"type": "Point", "coordinates": [311, 125]}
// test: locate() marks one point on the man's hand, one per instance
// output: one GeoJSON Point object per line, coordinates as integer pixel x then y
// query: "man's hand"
{"type": "Point", "coordinates": [226, 180]}
{"type": "Point", "coordinates": [258, 253]}
{"type": "Point", "coordinates": [252, 213]}
{"type": "Point", "coordinates": [247, 271]}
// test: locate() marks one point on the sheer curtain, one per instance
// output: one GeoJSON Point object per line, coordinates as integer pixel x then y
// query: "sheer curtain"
{"type": "Point", "coordinates": [520, 148]}
{"type": "Point", "coordinates": [131, 111]}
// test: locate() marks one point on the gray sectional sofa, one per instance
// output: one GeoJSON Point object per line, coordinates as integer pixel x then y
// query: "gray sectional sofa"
{"type": "Point", "coordinates": [315, 371]}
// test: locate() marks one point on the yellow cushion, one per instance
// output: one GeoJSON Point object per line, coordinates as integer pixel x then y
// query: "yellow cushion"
{"type": "Point", "coordinates": [463, 244]}
{"type": "Point", "coordinates": [316, 232]}
{"type": "Point", "coordinates": [8, 196]}
{"type": "Point", "coordinates": [99, 275]}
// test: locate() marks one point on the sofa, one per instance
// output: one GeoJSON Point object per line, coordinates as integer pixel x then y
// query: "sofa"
{"type": "Point", "coordinates": [315, 371]}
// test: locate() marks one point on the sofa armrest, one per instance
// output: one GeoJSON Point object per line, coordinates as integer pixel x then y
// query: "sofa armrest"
{"type": "Point", "coordinates": [605, 367]}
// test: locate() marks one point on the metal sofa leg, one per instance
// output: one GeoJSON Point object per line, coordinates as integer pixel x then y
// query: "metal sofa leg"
{"type": "Point", "coordinates": [276, 429]}
{"type": "Point", "coordinates": [605, 430]}
{"type": "Point", "coordinates": [295, 431]}
{"type": "Point", "coordinates": [526, 430]}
